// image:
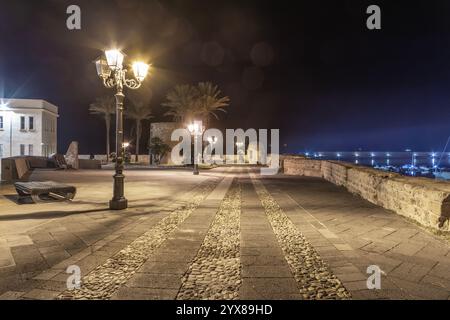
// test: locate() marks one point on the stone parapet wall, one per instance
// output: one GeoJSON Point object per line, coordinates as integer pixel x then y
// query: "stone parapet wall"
{"type": "Point", "coordinates": [302, 167]}
{"type": "Point", "coordinates": [366, 182]}
{"type": "Point", "coordinates": [339, 173]}
{"type": "Point", "coordinates": [424, 200]}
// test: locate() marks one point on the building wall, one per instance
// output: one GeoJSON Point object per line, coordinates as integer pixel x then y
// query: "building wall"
{"type": "Point", "coordinates": [41, 140]}
{"type": "Point", "coordinates": [49, 136]}
{"type": "Point", "coordinates": [163, 130]}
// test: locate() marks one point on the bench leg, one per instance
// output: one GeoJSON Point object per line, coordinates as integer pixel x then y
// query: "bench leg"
{"type": "Point", "coordinates": [70, 196]}
{"type": "Point", "coordinates": [36, 198]}
{"type": "Point", "coordinates": [21, 193]}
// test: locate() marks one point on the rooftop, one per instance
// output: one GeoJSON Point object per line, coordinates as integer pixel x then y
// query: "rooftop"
{"type": "Point", "coordinates": [28, 104]}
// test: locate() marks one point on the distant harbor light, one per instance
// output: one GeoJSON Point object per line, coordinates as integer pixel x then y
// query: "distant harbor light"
{"type": "Point", "coordinates": [424, 164]}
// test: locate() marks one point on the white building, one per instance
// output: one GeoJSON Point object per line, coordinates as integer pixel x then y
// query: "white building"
{"type": "Point", "coordinates": [27, 127]}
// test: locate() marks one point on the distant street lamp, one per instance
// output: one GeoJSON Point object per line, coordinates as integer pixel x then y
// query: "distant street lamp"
{"type": "Point", "coordinates": [212, 140]}
{"type": "Point", "coordinates": [196, 129]}
{"type": "Point", "coordinates": [240, 151]}
{"type": "Point", "coordinates": [110, 70]}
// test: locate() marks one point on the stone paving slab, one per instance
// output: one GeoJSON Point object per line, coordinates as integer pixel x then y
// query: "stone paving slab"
{"type": "Point", "coordinates": [268, 275]}
{"type": "Point", "coordinates": [375, 237]}
{"type": "Point", "coordinates": [87, 257]}
{"type": "Point", "coordinates": [178, 252]}
{"type": "Point", "coordinates": [344, 232]}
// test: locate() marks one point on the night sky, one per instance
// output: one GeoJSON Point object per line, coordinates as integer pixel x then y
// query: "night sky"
{"type": "Point", "coordinates": [312, 69]}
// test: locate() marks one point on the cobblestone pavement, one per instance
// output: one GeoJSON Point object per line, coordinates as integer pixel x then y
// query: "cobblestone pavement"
{"type": "Point", "coordinates": [315, 279]}
{"type": "Point", "coordinates": [227, 234]}
{"type": "Point", "coordinates": [103, 281]}
{"type": "Point", "coordinates": [215, 272]}
{"type": "Point", "coordinates": [351, 234]}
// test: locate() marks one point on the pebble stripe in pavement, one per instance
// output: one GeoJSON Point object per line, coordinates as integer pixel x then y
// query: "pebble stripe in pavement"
{"type": "Point", "coordinates": [312, 274]}
{"type": "Point", "coordinates": [106, 279]}
{"type": "Point", "coordinates": [215, 272]}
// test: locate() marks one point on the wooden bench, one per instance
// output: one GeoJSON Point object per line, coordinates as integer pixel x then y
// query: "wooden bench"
{"type": "Point", "coordinates": [44, 191]}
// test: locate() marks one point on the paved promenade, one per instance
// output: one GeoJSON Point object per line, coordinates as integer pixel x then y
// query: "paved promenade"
{"type": "Point", "coordinates": [225, 234]}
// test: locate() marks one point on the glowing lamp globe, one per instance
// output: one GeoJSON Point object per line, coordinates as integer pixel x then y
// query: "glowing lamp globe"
{"type": "Point", "coordinates": [103, 69]}
{"type": "Point", "coordinates": [140, 70]}
{"type": "Point", "coordinates": [114, 58]}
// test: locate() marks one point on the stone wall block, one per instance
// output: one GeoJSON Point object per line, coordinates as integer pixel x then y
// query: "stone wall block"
{"type": "Point", "coordinates": [426, 201]}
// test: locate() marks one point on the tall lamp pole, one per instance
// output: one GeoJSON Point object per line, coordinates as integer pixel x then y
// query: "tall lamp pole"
{"type": "Point", "coordinates": [196, 129]}
{"type": "Point", "coordinates": [110, 69]}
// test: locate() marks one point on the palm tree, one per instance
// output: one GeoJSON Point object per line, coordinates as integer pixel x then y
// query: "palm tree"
{"type": "Point", "coordinates": [209, 101]}
{"type": "Point", "coordinates": [204, 100]}
{"type": "Point", "coordinates": [104, 107]}
{"type": "Point", "coordinates": [138, 111]}
{"type": "Point", "coordinates": [181, 102]}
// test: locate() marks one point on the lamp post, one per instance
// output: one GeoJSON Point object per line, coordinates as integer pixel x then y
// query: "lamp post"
{"type": "Point", "coordinates": [110, 69]}
{"type": "Point", "coordinates": [240, 152]}
{"type": "Point", "coordinates": [212, 140]}
{"type": "Point", "coordinates": [196, 129]}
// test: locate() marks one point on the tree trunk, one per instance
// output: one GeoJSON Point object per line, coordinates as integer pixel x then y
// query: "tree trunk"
{"type": "Point", "coordinates": [138, 138]}
{"type": "Point", "coordinates": [108, 126]}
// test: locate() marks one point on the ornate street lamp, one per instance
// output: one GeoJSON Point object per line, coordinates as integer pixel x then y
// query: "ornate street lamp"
{"type": "Point", "coordinates": [240, 150]}
{"type": "Point", "coordinates": [196, 129]}
{"type": "Point", "coordinates": [110, 69]}
{"type": "Point", "coordinates": [212, 140]}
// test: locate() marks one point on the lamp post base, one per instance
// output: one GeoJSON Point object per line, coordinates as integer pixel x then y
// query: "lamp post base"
{"type": "Point", "coordinates": [196, 170]}
{"type": "Point", "coordinates": [118, 204]}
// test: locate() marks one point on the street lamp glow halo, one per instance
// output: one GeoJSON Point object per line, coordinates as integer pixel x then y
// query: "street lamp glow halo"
{"type": "Point", "coordinates": [114, 58]}
{"type": "Point", "coordinates": [140, 70]}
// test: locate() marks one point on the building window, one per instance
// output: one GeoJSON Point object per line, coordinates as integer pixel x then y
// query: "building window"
{"type": "Point", "coordinates": [1, 151]}
{"type": "Point", "coordinates": [31, 123]}
{"type": "Point", "coordinates": [30, 149]}
{"type": "Point", "coordinates": [22, 123]}
{"type": "Point", "coordinates": [1, 122]}
{"type": "Point", "coordinates": [22, 149]}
